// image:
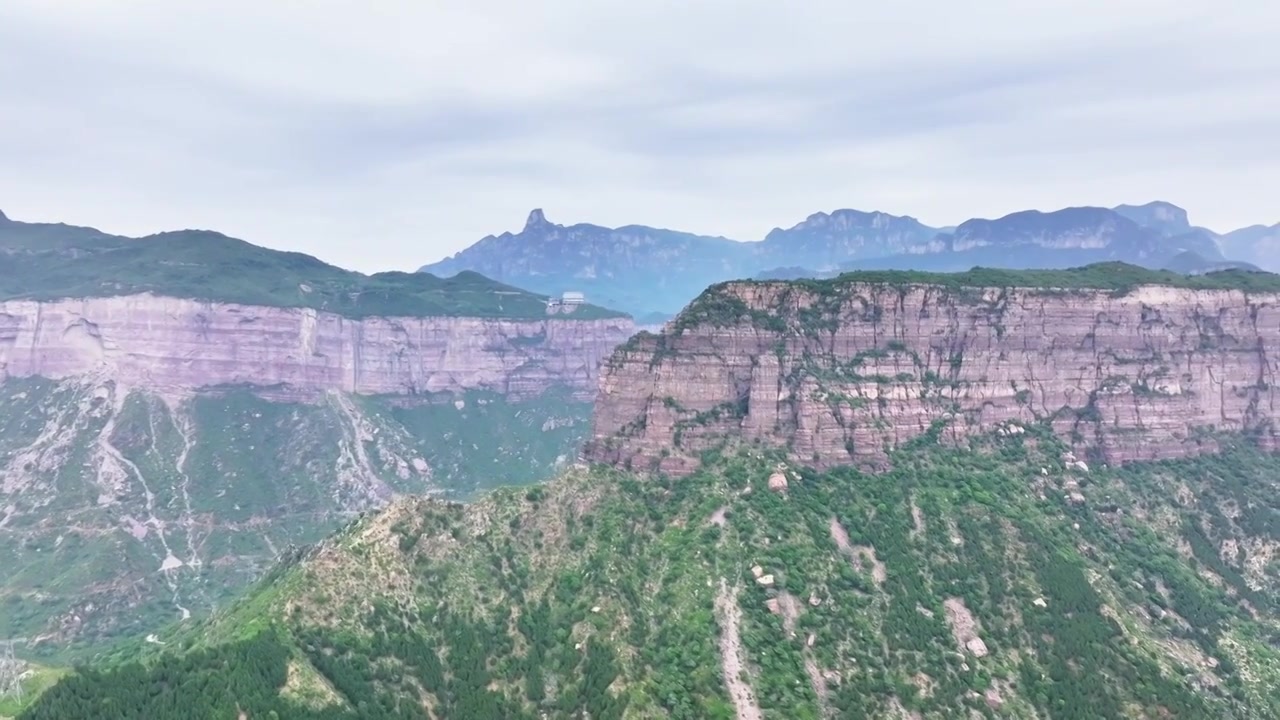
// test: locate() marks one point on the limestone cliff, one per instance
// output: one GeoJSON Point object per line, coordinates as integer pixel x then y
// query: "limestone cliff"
{"type": "Point", "coordinates": [160, 453]}
{"type": "Point", "coordinates": [840, 370]}
{"type": "Point", "coordinates": [169, 343]}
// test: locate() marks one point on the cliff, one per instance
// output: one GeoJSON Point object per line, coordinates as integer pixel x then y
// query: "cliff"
{"type": "Point", "coordinates": [839, 371]}
{"type": "Point", "coordinates": [165, 343]}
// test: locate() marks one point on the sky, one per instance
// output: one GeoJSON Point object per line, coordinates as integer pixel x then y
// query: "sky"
{"type": "Point", "coordinates": [384, 135]}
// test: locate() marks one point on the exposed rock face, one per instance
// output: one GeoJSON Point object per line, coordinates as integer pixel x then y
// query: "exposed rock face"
{"type": "Point", "coordinates": [837, 377]}
{"type": "Point", "coordinates": [161, 342]}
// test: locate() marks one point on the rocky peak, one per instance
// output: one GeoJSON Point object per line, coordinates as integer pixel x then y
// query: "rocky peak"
{"type": "Point", "coordinates": [537, 221]}
{"type": "Point", "coordinates": [636, 268]}
{"type": "Point", "coordinates": [1163, 217]}
{"type": "Point", "coordinates": [3, 218]}
{"type": "Point", "coordinates": [844, 219]}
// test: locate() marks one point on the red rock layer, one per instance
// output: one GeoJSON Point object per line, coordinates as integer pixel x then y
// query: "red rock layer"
{"type": "Point", "coordinates": [168, 343]}
{"type": "Point", "coordinates": [839, 380]}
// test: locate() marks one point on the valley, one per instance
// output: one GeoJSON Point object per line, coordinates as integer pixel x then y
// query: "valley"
{"type": "Point", "coordinates": [179, 412]}
{"type": "Point", "coordinates": [836, 381]}
{"type": "Point", "coordinates": [125, 509]}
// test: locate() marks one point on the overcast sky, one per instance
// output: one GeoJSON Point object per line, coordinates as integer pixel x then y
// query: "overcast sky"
{"type": "Point", "coordinates": [384, 135]}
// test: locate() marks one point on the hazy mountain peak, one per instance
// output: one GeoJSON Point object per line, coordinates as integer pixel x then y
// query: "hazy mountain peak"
{"type": "Point", "coordinates": [3, 218]}
{"type": "Point", "coordinates": [1163, 217]}
{"type": "Point", "coordinates": [848, 217]}
{"type": "Point", "coordinates": [1257, 243]}
{"type": "Point", "coordinates": [536, 221]}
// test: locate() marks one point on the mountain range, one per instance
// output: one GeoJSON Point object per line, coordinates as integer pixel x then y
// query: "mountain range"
{"type": "Point", "coordinates": [652, 273]}
{"type": "Point", "coordinates": [904, 495]}
{"type": "Point", "coordinates": [242, 483]}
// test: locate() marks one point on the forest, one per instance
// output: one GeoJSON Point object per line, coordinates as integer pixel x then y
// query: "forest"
{"type": "Point", "coordinates": [596, 596]}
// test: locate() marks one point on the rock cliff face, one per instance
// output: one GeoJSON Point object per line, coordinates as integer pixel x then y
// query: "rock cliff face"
{"type": "Point", "coordinates": [166, 343]}
{"type": "Point", "coordinates": [838, 372]}
{"type": "Point", "coordinates": [160, 453]}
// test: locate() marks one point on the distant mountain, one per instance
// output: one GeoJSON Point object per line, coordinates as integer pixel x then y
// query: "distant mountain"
{"type": "Point", "coordinates": [653, 273]}
{"type": "Point", "coordinates": [1257, 243]}
{"type": "Point", "coordinates": [1171, 222]}
{"type": "Point", "coordinates": [1031, 237]}
{"type": "Point", "coordinates": [1192, 263]}
{"type": "Point", "coordinates": [825, 241]}
{"type": "Point", "coordinates": [53, 261]}
{"type": "Point", "coordinates": [1167, 218]}
{"type": "Point", "coordinates": [793, 272]}
{"type": "Point", "coordinates": [1070, 237]}
{"type": "Point", "coordinates": [641, 269]}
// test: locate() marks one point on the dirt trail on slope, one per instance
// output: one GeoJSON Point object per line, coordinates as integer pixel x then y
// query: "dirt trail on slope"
{"type": "Point", "coordinates": [858, 553]}
{"type": "Point", "coordinates": [790, 608]}
{"type": "Point", "coordinates": [744, 700]}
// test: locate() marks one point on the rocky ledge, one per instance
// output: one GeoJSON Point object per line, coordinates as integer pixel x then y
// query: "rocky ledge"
{"type": "Point", "coordinates": [839, 371]}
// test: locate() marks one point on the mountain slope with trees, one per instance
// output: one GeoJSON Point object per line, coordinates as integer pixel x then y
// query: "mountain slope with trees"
{"type": "Point", "coordinates": [1002, 579]}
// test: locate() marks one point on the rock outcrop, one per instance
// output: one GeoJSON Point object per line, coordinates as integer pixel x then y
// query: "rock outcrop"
{"type": "Point", "coordinates": [838, 371]}
{"type": "Point", "coordinates": [168, 343]}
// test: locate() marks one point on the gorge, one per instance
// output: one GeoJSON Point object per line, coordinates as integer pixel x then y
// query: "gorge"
{"type": "Point", "coordinates": [177, 411]}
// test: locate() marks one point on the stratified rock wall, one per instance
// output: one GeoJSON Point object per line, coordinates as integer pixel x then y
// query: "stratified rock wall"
{"type": "Point", "coordinates": [839, 377]}
{"type": "Point", "coordinates": [167, 343]}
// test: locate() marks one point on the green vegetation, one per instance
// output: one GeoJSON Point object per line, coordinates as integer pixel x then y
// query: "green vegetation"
{"type": "Point", "coordinates": [51, 262]}
{"type": "Point", "coordinates": [1117, 277]}
{"type": "Point", "coordinates": [103, 488]}
{"type": "Point", "coordinates": [718, 306]}
{"type": "Point", "coordinates": [1130, 592]}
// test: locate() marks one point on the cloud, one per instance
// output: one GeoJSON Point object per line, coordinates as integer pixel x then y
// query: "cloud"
{"type": "Point", "coordinates": [388, 134]}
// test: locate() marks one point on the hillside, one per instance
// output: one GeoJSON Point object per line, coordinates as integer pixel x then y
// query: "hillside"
{"type": "Point", "coordinates": [1001, 579]}
{"type": "Point", "coordinates": [124, 510]}
{"type": "Point", "coordinates": [177, 411]}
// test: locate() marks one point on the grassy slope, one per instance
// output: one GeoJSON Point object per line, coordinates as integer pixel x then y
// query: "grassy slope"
{"type": "Point", "coordinates": [598, 593]}
{"type": "Point", "coordinates": [37, 679]}
{"type": "Point", "coordinates": [50, 262]}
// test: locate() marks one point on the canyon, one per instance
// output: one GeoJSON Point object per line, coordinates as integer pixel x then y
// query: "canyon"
{"type": "Point", "coordinates": [841, 371]}
{"type": "Point", "coordinates": [158, 454]}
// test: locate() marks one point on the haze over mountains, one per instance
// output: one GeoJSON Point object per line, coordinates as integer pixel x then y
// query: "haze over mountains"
{"type": "Point", "coordinates": [652, 272]}
{"type": "Point", "coordinates": [891, 495]}
{"type": "Point", "coordinates": [184, 414]}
